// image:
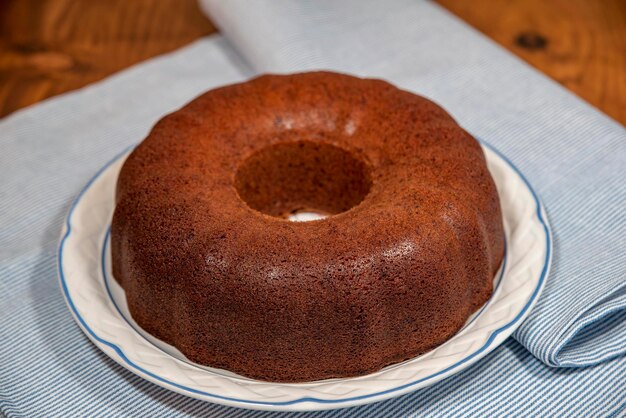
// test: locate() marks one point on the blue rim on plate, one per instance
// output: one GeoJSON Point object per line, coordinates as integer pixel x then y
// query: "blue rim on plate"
{"type": "Point", "coordinates": [540, 215]}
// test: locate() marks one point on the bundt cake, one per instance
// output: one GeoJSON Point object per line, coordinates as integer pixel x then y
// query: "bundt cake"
{"type": "Point", "coordinates": [210, 263]}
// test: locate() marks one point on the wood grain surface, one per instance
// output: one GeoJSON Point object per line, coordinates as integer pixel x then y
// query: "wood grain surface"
{"type": "Point", "coordinates": [579, 43]}
{"type": "Point", "coordinates": [48, 47]}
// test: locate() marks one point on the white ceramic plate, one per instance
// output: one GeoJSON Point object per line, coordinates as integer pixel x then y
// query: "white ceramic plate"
{"type": "Point", "coordinates": [98, 304]}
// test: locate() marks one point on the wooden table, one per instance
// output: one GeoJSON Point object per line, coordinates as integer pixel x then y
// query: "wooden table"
{"type": "Point", "coordinates": [48, 47]}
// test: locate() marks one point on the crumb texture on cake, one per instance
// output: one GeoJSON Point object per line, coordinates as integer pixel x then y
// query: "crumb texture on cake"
{"type": "Point", "coordinates": [209, 263]}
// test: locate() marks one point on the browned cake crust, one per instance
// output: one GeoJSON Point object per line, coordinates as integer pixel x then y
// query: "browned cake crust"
{"type": "Point", "coordinates": [210, 265]}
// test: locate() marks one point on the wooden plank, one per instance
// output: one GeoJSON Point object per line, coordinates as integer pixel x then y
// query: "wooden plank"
{"type": "Point", "coordinates": [579, 43]}
{"type": "Point", "coordinates": [48, 47]}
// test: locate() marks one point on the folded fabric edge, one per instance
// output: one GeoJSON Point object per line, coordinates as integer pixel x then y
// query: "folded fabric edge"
{"type": "Point", "coordinates": [581, 345]}
{"type": "Point", "coordinates": [222, 21]}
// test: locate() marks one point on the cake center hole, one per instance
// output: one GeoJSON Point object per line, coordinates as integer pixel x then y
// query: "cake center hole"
{"type": "Point", "coordinates": [302, 181]}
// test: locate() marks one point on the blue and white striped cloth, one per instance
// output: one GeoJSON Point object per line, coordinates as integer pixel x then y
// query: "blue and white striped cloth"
{"type": "Point", "coordinates": [572, 154]}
